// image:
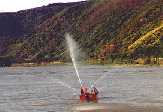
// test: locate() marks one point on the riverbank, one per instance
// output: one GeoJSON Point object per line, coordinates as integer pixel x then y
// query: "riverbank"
{"type": "Point", "coordinates": [63, 63]}
{"type": "Point", "coordinates": [87, 62]}
{"type": "Point", "coordinates": [37, 64]}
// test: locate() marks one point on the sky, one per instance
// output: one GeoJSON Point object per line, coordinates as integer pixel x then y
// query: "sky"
{"type": "Point", "coordinates": [16, 5]}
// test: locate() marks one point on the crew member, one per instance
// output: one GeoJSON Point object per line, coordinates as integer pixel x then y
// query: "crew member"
{"type": "Point", "coordinates": [84, 93]}
{"type": "Point", "coordinates": [94, 93]}
{"type": "Point", "coordinates": [94, 90]}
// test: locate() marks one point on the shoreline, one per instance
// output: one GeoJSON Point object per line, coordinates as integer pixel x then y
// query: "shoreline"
{"type": "Point", "coordinates": [37, 64]}
{"type": "Point", "coordinates": [63, 63]}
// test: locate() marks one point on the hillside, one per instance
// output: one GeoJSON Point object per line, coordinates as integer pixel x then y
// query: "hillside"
{"type": "Point", "coordinates": [37, 34]}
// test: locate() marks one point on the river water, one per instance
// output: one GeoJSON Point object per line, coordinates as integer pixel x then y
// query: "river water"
{"type": "Point", "coordinates": [56, 88]}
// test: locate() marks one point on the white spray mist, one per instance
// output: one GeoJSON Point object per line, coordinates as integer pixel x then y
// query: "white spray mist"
{"type": "Point", "coordinates": [73, 53]}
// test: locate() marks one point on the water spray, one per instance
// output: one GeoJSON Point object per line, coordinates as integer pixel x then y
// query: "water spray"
{"type": "Point", "coordinates": [72, 45]}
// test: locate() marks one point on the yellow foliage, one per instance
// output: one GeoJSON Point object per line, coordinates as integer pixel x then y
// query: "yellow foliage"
{"type": "Point", "coordinates": [142, 39]}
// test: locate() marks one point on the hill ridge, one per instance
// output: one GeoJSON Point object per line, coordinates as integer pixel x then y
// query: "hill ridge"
{"type": "Point", "coordinates": [37, 35]}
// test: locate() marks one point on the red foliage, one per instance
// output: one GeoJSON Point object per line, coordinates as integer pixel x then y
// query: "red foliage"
{"type": "Point", "coordinates": [108, 49]}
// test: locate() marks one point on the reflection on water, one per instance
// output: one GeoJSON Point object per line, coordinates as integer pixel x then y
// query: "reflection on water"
{"type": "Point", "coordinates": [56, 88]}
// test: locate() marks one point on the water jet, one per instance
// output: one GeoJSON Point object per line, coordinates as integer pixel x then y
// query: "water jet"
{"type": "Point", "coordinates": [72, 48]}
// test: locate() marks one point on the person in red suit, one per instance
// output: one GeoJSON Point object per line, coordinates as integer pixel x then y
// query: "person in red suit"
{"type": "Point", "coordinates": [84, 97]}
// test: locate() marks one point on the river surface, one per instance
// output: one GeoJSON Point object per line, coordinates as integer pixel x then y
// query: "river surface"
{"type": "Point", "coordinates": [56, 88]}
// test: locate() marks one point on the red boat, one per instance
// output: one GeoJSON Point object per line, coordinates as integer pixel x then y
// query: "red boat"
{"type": "Point", "coordinates": [89, 96]}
